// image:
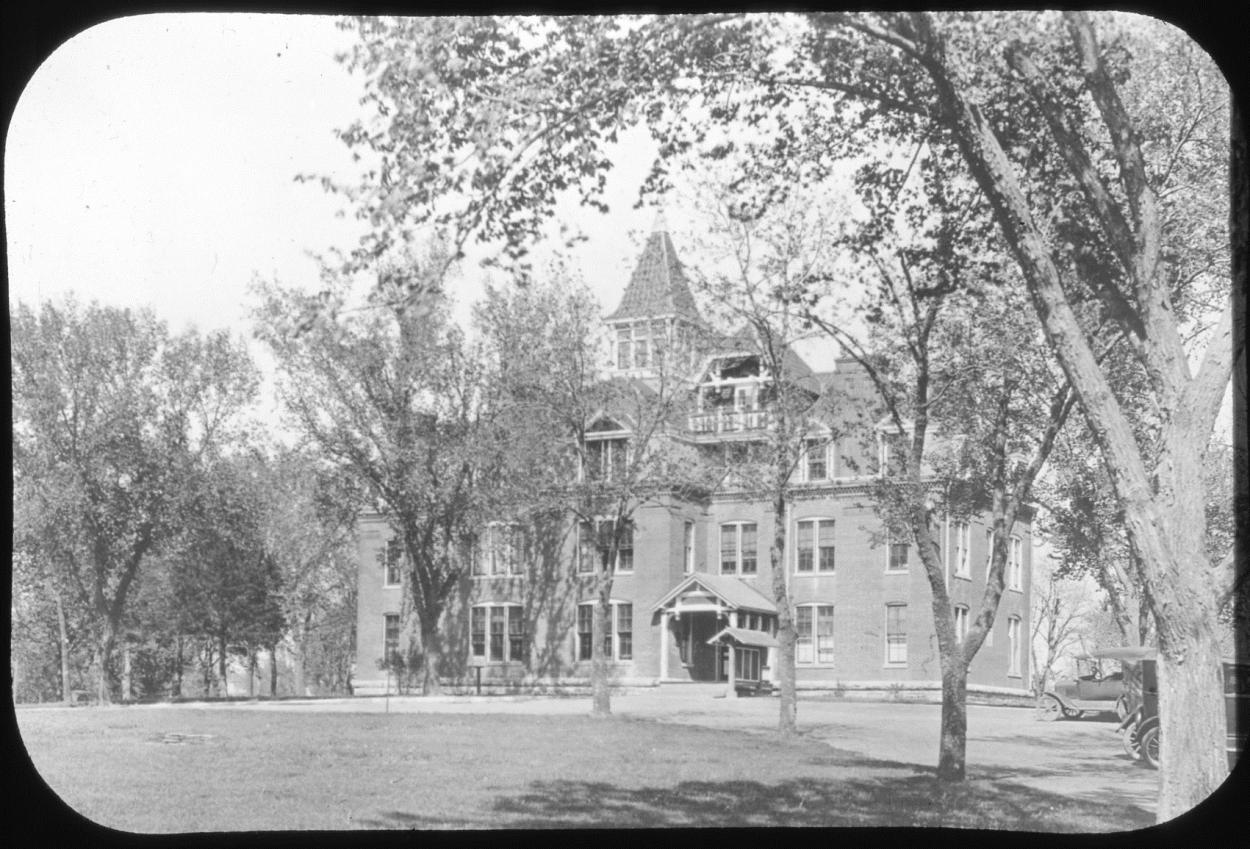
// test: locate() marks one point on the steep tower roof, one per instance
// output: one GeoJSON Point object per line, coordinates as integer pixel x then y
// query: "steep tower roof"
{"type": "Point", "coordinates": [658, 286]}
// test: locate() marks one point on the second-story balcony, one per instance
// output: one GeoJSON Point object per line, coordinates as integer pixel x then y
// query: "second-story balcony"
{"type": "Point", "coordinates": [729, 421]}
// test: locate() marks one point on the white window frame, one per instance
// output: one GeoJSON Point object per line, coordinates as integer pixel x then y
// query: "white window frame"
{"type": "Point", "coordinates": [1013, 647]}
{"type": "Point", "coordinates": [596, 524]}
{"type": "Point", "coordinates": [399, 632]}
{"type": "Point", "coordinates": [485, 564]}
{"type": "Point", "coordinates": [512, 612]}
{"type": "Point", "coordinates": [816, 566]}
{"type": "Point", "coordinates": [606, 469]}
{"type": "Point", "coordinates": [392, 544]}
{"type": "Point", "coordinates": [1015, 564]}
{"type": "Point", "coordinates": [813, 637]}
{"type": "Point", "coordinates": [961, 623]}
{"type": "Point", "coordinates": [614, 632]}
{"type": "Point", "coordinates": [737, 525]}
{"type": "Point", "coordinates": [810, 448]}
{"type": "Point", "coordinates": [963, 538]}
{"type": "Point", "coordinates": [889, 556]}
{"type": "Point", "coordinates": [897, 662]}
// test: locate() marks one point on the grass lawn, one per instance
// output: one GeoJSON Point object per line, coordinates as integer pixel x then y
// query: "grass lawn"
{"type": "Point", "coordinates": [143, 770]}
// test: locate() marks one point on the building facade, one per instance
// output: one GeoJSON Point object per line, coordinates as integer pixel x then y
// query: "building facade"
{"type": "Point", "coordinates": [692, 583]}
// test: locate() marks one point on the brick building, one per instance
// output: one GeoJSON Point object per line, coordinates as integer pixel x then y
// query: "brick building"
{"type": "Point", "coordinates": [692, 585]}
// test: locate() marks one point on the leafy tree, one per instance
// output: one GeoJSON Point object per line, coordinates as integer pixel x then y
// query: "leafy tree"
{"type": "Point", "coordinates": [391, 394]}
{"type": "Point", "coordinates": [225, 582]}
{"type": "Point", "coordinates": [768, 260]}
{"type": "Point", "coordinates": [109, 414]}
{"type": "Point", "coordinates": [550, 377]}
{"type": "Point", "coordinates": [307, 527]}
{"type": "Point", "coordinates": [483, 124]}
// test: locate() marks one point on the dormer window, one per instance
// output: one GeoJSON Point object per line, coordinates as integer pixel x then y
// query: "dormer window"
{"type": "Point", "coordinates": [607, 459]}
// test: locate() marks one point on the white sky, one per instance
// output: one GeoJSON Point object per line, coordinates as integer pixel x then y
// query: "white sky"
{"type": "Point", "coordinates": [151, 162]}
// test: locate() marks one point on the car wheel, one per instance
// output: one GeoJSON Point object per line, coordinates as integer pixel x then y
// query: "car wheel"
{"type": "Point", "coordinates": [1150, 746]}
{"type": "Point", "coordinates": [1121, 708]}
{"type": "Point", "coordinates": [1050, 709]}
{"type": "Point", "coordinates": [1132, 746]}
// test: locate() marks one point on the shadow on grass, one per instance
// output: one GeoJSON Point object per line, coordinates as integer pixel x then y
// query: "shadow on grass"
{"type": "Point", "coordinates": [915, 799]}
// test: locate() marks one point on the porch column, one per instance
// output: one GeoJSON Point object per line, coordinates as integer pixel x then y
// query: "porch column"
{"type": "Point", "coordinates": [664, 615]}
{"type": "Point", "coordinates": [732, 692]}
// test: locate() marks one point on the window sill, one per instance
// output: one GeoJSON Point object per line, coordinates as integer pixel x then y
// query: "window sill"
{"type": "Point", "coordinates": [492, 577]}
{"type": "Point", "coordinates": [829, 573]}
{"type": "Point", "coordinates": [897, 571]}
{"type": "Point", "coordinates": [962, 577]}
{"type": "Point", "coordinates": [896, 665]}
{"type": "Point", "coordinates": [1015, 589]}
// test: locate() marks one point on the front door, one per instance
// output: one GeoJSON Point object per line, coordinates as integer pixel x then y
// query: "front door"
{"type": "Point", "coordinates": [701, 627]}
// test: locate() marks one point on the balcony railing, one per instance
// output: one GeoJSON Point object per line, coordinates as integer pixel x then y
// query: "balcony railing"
{"type": "Point", "coordinates": [730, 421]}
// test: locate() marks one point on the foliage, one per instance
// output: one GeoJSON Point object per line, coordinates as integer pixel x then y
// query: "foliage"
{"type": "Point", "coordinates": [391, 394]}
{"type": "Point", "coordinates": [110, 413]}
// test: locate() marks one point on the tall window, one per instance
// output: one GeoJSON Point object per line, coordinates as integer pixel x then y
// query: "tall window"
{"type": "Point", "coordinates": [688, 541]}
{"type": "Point", "coordinates": [642, 345]}
{"type": "Point", "coordinates": [624, 631]}
{"type": "Point", "coordinates": [618, 642]}
{"type": "Point", "coordinates": [738, 548]}
{"type": "Point", "coordinates": [1013, 645]}
{"type": "Point", "coordinates": [961, 550]}
{"type": "Point", "coordinates": [961, 623]}
{"type": "Point", "coordinates": [585, 630]}
{"type": "Point", "coordinates": [892, 454]}
{"type": "Point", "coordinates": [1015, 565]}
{"type": "Point", "coordinates": [814, 546]}
{"type": "Point", "coordinates": [502, 550]}
{"type": "Point", "coordinates": [393, 559]}
{"type": "Point", "coordinates": [897, 554]}
{"type": "Point", "coordinates": [624, 350]}
{"type": "Point", "coordinates": [606, 459]}
{"type": "Point", "coordinates": [813, 625]}
{"type": "Point", "coordinates": [595, 546]}
{"type": "Point", "coordinates": [390, 636]}
{"type": "Point", "coordinates": [817, 465]}
{"type": "Point", "coordinates": [896, 634]}
{"type": "Point", "coordinates": [497, 632]}
{"type": "Point", "coordinates": [989, 551]}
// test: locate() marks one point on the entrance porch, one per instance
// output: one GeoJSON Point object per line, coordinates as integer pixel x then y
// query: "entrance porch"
{"type": "Point", "coordinates": [715, 628]}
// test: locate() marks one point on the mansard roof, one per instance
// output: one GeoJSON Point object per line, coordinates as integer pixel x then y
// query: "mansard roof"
{"type": "Point", "coordinates": [658, 286]}
{"type": "Point", "coordinates": [794, 365]}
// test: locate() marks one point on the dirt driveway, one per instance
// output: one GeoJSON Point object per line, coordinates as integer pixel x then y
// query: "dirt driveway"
{"type": "Point", "coordinates": [1081, 759]}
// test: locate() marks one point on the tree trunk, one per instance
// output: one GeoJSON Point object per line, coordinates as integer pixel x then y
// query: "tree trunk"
{"type": "Point", "coordinates": [67, 695]}
{"type": "Point", "coordinates": [1191, 724]}
{"type": "Point", "coordinates": [273, 671]}
{"type": "Point", "coordinates": [103, 662]}
{"type": "Point", "coordinates": [222, 670]}
{"type": "Point", "coordinates": [787, 721]}
{"type": "Point", "coordinates": [432, 656]}
{"type": "Point", "coordinates": [953, 743]}
{"type": "Point", "coordinates": [601, 632]}
{"type": "Point", "coordinates": [178, 666]}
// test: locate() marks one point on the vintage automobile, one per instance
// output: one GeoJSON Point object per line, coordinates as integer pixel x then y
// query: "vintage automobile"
{"type": "Point", "coordinates": [1140, 728]}
{"type": "Point", "coordinates": [1098, 688]}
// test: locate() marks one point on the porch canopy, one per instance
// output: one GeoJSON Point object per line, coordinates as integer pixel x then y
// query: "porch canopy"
{"type": "Point", "coordinates": [744, 637]}
{"type": "Point", "coordinates": [704, 593]}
